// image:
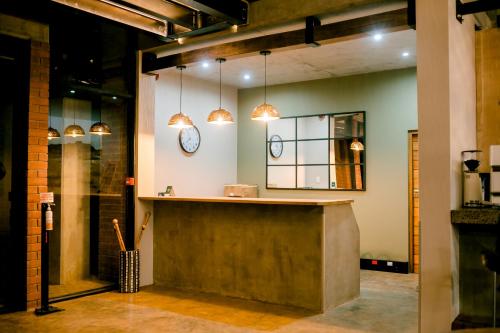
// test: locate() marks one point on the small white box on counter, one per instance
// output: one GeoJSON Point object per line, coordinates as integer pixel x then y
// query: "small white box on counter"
{"type": "Point", "coordinates": [240, 190]}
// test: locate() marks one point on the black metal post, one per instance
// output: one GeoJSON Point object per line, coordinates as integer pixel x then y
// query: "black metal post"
{"type": "Point", "coordinates": [45, 307]}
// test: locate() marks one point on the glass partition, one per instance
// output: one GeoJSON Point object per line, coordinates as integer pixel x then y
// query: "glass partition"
{"type": "Point", "coordinates": [323, 152]}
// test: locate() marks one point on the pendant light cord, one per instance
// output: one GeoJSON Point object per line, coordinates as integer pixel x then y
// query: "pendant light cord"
{"type": "Point", "coordinates": [180, 95]}
{"type": "Point", "coordinates": [265, 78]}
{"type": "Point", "coordinates": [220, 84]}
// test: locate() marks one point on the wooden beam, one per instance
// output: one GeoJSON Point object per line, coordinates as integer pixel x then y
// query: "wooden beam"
{"type": "Point", "coordinates": [395, 20]}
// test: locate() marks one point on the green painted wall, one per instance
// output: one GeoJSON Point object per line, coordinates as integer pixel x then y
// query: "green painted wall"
{"type": "Point", "coordinates": [390, 101]}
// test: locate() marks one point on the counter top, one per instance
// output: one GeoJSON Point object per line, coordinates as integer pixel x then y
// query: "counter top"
{"type": "Point", "coordinates": [478, 216]}
{"type": "Point", "coordinates": [261, 201]}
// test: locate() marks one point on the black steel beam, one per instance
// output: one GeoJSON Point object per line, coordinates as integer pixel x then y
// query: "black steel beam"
{"type": "Point", "coordinates": [172, 13]}
{"type": "Point", "coordinates": [475, 7]}
{"type": "Point", "coordinates": [232, 11]}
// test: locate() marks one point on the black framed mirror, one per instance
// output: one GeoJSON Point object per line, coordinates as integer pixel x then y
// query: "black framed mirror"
{"type": "Point", "coordinates": [317, 152]}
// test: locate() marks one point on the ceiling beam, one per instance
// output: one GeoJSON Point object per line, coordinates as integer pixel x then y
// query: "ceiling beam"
{"type": "Point", "coordinates": [232, 11]}
{"type": "Point", "coordinates": [395, 20]}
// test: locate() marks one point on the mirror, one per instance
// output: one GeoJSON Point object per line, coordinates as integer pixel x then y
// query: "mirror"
{"type": "Point", "coordinates": [319, 152]}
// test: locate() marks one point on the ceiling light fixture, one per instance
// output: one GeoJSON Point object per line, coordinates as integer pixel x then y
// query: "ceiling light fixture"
{"type": "Point", "coordinates": [377, 37]}
{"type": "Point", "coordinates": [52, 132]}
{"type": "Point", "coordinates": [405, 54]}
{"type": "Point", "coordinates": [265, 112]}
{"type": "Point", "coordinates": [74, 130]}
{"type": "Point", "coordinates": [180, 120]}
{"type": "Point", "coordinates": [356, 145]}
{"type": "Point", "coordinates": [220, 116]}
{"type": "Point", "coordinates": [246, 76]}
{"type": "Point", "coordinates": [205, 64]}
{"type": "Point", "coordinates": [100, 128]}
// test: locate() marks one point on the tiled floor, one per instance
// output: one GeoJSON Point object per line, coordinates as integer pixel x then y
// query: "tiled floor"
{"type": "Point", "coordinates": [388, 303]}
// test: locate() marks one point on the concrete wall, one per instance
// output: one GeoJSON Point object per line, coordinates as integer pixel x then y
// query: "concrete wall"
{"type": "Point", "coordinates": [389, 99]}
{"type": "Point", "coordinates": [205, 172]}
{"type": "Point", "coordinates": [446, 116]}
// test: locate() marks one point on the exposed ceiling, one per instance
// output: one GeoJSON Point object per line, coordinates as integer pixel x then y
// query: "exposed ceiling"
{"type": "Point", "coordinates": [358, 56]}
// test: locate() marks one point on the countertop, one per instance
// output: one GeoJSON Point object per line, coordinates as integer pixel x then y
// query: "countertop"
{"type": "Point", "coordinates": [480, 216]}
{"type": "Point", "coordinates": [261, 201]}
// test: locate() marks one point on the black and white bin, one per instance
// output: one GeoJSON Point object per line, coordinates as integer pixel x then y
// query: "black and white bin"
{"type": "Point", "coordinates": [129, 271]}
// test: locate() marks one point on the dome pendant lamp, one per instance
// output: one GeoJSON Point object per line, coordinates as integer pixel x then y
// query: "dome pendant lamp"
{"type": "Point", "coordinates": [52, 132]}
{"type": "Point", "coordinates": [265, 112]}
{"type": "Point", "coordinates": [180, 120]}
{"type": "Point", "coordinates": [100, 128]}
{"type": "Point", "coordinates": [220, 116]}
{"type": "Point", "coordinates": [356, 145]}
{"type": "Point", "coordinates": [74, 130]}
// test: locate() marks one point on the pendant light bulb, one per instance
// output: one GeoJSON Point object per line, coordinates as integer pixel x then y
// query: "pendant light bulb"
{"type": "Point", "coordinates": [220, 116]}
{"type": "Point", "coordinates": [180, 120]}
{"type": "Point", "coordinates": [265, 111]}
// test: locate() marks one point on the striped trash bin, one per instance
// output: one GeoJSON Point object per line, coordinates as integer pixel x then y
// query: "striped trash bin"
{"type": "Point", "coordinates": [129, 271]}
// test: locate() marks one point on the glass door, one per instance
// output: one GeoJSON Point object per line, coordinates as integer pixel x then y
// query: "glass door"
{"type": "Point", "coordinates": [14, 87]}
{"type": "Point", "coordinates": [87, 175]}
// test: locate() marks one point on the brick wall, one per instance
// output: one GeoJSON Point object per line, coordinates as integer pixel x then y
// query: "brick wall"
{"type": "Point", "coordinates": [37, 164]}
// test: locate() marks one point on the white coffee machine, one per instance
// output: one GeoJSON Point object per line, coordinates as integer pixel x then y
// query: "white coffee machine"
{"type": "Point", "coordinates": [472, 191]}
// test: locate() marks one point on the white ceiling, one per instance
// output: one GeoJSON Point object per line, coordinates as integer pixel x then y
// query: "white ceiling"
{"type": "Point", "coordinates": [363, 55]}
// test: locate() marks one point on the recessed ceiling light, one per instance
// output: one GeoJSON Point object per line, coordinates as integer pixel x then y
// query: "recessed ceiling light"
{"type": "Point", "coordinates": [377, 37]}
{"type": "Point", "coordinates": [246, 76]}
{"type": "Point", "coordinates": [72, 91]}
{"type": "Point", "coordinates": [114, 97]}
{"type": "Point", "coordinates": [405, 54]}
{"type": "Point", "coordinates": [205, 64]}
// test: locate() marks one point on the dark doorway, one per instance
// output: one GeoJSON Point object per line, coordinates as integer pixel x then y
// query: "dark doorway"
{"type": "Point", "coordinates": [14, 104]}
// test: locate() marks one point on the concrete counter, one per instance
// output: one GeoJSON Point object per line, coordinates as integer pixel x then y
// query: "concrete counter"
{"type": "Point", "coordinates": [302, 253]}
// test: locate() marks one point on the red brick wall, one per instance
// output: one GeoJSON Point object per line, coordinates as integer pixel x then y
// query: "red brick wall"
{"type": "Point", "coordinates": [37, 165]}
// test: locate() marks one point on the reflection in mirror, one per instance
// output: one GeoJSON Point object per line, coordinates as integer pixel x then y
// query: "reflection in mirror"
{"type": "Point", "coordinates": [347, 177]}
{"type": "Point", "coordinates": [315, 127]}
{"type": "Point", "coordinates": [349, 125]}
{"type": "Point", "coordinates": [317, 152]}
{"type": "Point", "coordinates": [312, 152]}
{"type": "Point", "coordinates": [281, 176]}
{"type": "Point", "coordinates": [312, 177]}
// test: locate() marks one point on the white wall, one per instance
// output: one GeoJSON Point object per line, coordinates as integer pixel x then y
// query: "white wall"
{"type": "Point", "coordinates": [390, 101]}
{"type": "Point", "coordinates": [205, 172]}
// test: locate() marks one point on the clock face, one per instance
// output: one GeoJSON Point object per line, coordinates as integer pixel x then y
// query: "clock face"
{"type": "Point", "coordinates": [189, 139]}
{"type": "Point", "coordinates": [275, 146]}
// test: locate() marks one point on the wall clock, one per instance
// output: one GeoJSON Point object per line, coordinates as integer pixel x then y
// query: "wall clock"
{"type": "Point", "coordinates": [189, 139]}
{"type": "Point", "coordinates": [275, 146]}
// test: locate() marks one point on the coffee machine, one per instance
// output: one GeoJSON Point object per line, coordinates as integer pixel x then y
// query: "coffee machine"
{"type": "Point", "coordinates": [472, 190]}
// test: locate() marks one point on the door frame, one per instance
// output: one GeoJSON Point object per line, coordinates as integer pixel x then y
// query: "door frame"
{"type": "Point", "coordinates": [411, 263]}
{"type": "Point", "coordinates": [19, 50]}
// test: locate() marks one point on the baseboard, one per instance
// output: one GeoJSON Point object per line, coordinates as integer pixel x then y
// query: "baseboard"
{"type": "Point", "coordinates": [384, 265]}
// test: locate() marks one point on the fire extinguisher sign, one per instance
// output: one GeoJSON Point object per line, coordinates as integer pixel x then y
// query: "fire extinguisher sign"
{"type": "Point", "coordinates": [47, 197]}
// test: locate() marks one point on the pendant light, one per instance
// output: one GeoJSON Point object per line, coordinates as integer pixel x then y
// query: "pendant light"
{"type": "Point", "coordinates": [74, 130]}
{"type": "Point", "coordinates": [265, 112]}
{"type": "Point", "coordinates": [356, 145]}
{"type": "Point", "coordinates": [52, 132]}
{"type": "Point", "coordinates": [100, 128]}
{"type": "Point", "coordinates": [220, 116]}
{"type": "Point", "coordinates": [180, 120]}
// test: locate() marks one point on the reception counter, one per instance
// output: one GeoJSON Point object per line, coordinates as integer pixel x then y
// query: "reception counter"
{"type": "Point", "coordinates": [297, 252]}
